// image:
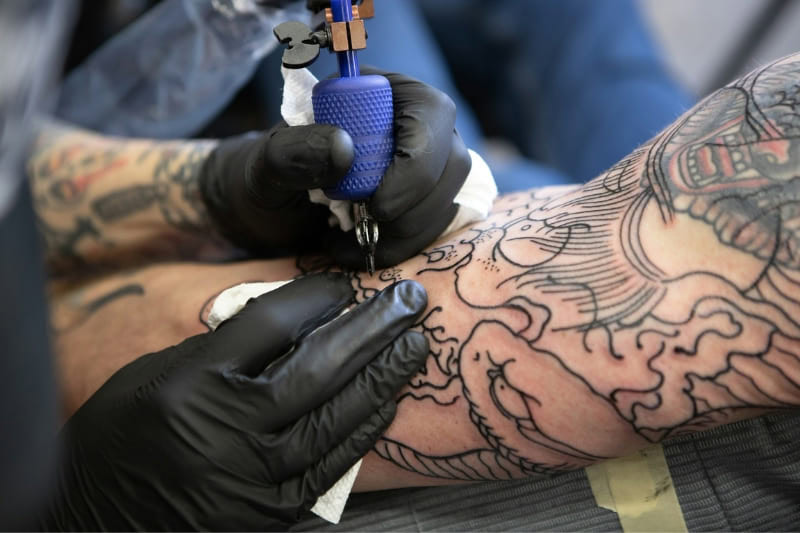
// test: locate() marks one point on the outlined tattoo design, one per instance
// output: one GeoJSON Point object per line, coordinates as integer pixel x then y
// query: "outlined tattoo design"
{"type": "Point", "coordinates": [563, 290]}
{"type": "Point", "coordinates": [62, 243]}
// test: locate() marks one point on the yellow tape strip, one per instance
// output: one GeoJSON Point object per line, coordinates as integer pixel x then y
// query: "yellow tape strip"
{"type": "Point", "coordinates": [639, 489]}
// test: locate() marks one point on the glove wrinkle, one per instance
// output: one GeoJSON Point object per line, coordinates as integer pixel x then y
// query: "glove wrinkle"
{"type": "Point", "coordinates": [378, 321]}
{"type": "Point", "coordinates": [281, 318]}
{"type": "Point", "coordinates": [338, 461]}
{"type": "Point", "coordinates": [375, 385]}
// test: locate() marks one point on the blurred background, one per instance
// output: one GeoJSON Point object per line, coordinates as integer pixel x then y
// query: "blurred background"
{"type": "Point", "coordinates": [709, 42]}
{"type": "Point", "coordinates": [706, 42]}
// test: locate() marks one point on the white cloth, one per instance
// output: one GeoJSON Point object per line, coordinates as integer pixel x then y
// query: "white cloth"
{"type": "Point", "coordinates": [475, 199]}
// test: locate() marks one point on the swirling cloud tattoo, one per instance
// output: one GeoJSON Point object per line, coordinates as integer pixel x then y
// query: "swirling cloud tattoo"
{"type": "Point", "coordinates": [562, 288]}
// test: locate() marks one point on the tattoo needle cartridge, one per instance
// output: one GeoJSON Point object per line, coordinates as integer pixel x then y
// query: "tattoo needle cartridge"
{"type": "Point", "coordinates": [360, 105]}
{"type": "Point", "coordinates": [366, 234]}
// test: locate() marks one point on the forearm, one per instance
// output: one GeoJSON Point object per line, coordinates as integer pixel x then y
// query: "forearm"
{"type": "Point", "coordinates": [112, 201]}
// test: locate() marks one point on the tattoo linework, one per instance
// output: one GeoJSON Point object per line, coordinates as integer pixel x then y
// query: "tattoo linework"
{"type": "Point", "coordinates": [570, 292]}
{"type": "Point", "coordinates": [70, 171]}
{"type": "Point", "coordinates": [76, 310]}
{"type": "Point", "coordinates": [79, 224]}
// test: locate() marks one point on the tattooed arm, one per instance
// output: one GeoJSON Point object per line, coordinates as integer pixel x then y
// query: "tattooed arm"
{"type": "Point", "coordinates": [115, 201]}
{"type": "Point", "coordinates": [661, 298]}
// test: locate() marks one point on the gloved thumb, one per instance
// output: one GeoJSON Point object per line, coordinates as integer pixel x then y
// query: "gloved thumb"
{"type": "Point", "coordinates": [296, 158]}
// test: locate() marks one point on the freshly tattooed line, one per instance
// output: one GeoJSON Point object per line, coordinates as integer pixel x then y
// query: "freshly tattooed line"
{"type": "Point", "coordinates": [588, 307]}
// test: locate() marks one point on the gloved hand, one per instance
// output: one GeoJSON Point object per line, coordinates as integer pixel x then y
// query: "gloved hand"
{"type": "Point", "coordinates": [255, 186]}
{"type": "Point", "coordinates": [235, 429]}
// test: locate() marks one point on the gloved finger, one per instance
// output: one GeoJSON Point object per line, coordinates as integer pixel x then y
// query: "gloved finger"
{"type": "Point", "coordinates": [298, 494]}
{"type": "Point", "coordinates": [394, 250]}
{"type": "Point", "coordinates": [414, 229]}
{"type": "Point", "coordinates": [424, 120]}
{"type": "Point", "coordinates": [314, 435]}
{"type": "Point", "coordinates": [339, 460]}
{"type": "Point", "coordinates": [429, 210]}
{"type": "Point", "coordinates": [297, 158]}
{"type": "Point", "coordinates": [268, 325]}
{"type": "Point", "coordinates": [325, 361]}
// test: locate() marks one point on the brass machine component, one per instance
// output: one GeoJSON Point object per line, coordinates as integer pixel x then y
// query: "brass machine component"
{"type": "Point", "coordinates": [350, 35]}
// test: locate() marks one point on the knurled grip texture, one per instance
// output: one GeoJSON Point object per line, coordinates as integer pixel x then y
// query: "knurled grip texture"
{"type": "Point", "coordinates": [362, 106]}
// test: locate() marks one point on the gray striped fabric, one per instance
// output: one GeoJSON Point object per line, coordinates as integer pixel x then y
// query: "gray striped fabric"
{"type": "Point", "coordinates": [740, 477]}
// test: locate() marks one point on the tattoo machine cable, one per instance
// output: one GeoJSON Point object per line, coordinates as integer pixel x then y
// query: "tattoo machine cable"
{"type": "Point", "coordinates": [361, 105]}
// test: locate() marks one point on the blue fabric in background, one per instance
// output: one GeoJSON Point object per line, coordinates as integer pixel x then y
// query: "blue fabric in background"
{"type": "Point", "coordinates": [574, 85]}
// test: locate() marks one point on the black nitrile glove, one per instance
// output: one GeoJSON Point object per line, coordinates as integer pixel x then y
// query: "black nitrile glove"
{"type": "Point", "coordinates": [246, 426]}
{"type": "Point", "coordinates": [255, 186]}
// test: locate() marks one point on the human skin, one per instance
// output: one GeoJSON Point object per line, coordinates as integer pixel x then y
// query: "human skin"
{"type": "Point", "coordinates": [109, 203]}
{"type": "Point", "coordinates": [572, 325]}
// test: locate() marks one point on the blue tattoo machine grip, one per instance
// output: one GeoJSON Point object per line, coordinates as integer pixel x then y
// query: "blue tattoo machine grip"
{"type": "Point", "coordinates": [362, 106]}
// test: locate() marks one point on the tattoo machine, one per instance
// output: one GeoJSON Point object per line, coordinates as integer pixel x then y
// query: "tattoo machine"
{"type": "Point", "coordinates": [360, 105]}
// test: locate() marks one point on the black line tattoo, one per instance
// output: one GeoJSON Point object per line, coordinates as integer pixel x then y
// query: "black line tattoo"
{"type": "Point", "coordinates": [70, 173]}
{"type": "Point", "coordinates": [72, 312]}
{"type": "Point", "coordinates": [568, 290]}
{"type": "Point", "coordinates": [62, 243]}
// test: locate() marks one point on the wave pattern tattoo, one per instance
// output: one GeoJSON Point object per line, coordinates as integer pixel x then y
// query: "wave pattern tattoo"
{"type": "Point", "coordinates": [570, 288]}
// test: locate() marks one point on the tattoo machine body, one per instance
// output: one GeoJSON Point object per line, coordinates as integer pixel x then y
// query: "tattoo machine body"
{"type": "Point", "coordinates": [360, 105]}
